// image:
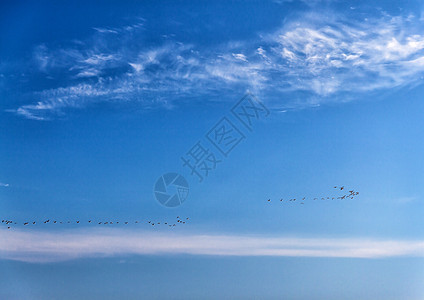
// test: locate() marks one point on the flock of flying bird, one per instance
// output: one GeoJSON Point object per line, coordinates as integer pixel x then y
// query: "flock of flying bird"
{"type": "Point", "coordinates": [179, 221]}
{"type": "Point", "coordinates": [352, 193]}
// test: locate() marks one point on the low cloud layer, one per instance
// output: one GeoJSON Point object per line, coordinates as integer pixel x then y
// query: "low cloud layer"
{"type": "Point", "coordinates": [39, 247]}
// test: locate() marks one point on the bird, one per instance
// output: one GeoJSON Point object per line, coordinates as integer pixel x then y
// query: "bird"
{"type": "Point", "coordinates": [179, 220]}
{"type": "Point", "coordinates": [342, 188]}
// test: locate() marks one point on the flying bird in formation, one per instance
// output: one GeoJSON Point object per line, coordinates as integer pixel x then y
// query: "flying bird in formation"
{"type": "Point", "coordinates": [176, 222]}
{"type": "Point", "coordinates": [352, 193]}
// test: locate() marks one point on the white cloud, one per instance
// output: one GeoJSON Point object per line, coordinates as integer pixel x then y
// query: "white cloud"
{"type": "Point", "coordinates": [88, 73]}
{"type": "Point", "coordinates": [4, 184]}
{"type": "Point", "coordinates": [38, 246]}
{"type": "Point", "coordinates": [105, 30]}
{"type": "Point", "coordinates": [137, 67]}
{"type": "Point", "coordinates": [136, 26]}
{"type": "Point", "coordinates": [339, 55]}
{"type": "Point", "coordinates": [240, 56]}
{"type": "Point", "coordinates": [97, 59]}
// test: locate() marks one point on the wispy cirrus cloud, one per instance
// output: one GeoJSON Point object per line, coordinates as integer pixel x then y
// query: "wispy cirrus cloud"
{"type": "Point", "coordinates": [322, 57]}
{"type": "Point", "coordinates": [128, 28]}
{"type": "Point", "coordinates": [38, 246]}
{"type": "Point", "coordinates": [4, 184]}
{"type": "Point", "coordinates": [337, 55]}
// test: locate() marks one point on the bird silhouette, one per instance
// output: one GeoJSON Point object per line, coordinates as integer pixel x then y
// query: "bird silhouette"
{"type": "Point", "coordinates": [352, 193]}
{"type": "Point", "coordinates": [91, 221]}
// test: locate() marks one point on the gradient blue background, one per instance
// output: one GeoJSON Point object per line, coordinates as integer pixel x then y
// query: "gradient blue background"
{"type": "Point", "coordinates": [100, 160]}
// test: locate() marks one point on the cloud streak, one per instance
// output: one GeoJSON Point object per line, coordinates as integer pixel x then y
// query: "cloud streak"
{"type": "Point", "coordinates": [40, 247]}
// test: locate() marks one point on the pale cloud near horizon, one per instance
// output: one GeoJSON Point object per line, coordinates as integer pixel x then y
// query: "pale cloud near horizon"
{"type": "Point", "coordinates": [321, 54]}
{"type": "Point", "coordinates": [42, 247]}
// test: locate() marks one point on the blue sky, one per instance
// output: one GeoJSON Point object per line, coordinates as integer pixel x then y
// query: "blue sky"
{"type": "Point", "coordinates": [98, 100]}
